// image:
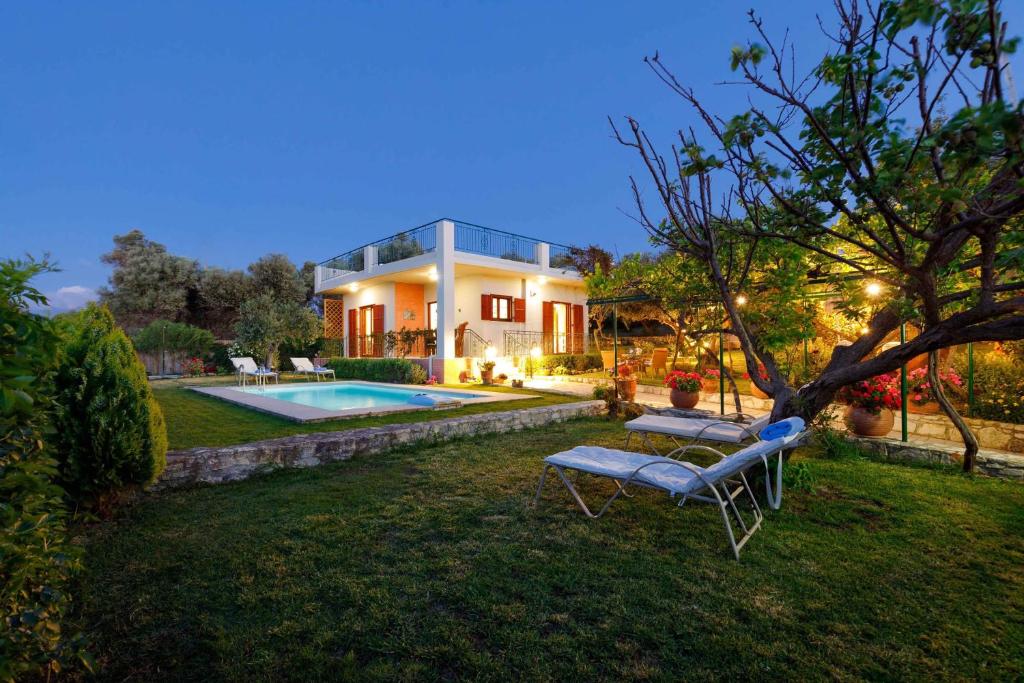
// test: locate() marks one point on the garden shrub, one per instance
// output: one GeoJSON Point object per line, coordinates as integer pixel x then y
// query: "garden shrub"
{"type": "Point", "coordinates": [110, 430]}
{"type": "Point", "coordinates": [999, 386]}
{"type": "Point", "coordinates": [396, 370]}
{"type": "Point", "coordinates": [574, 363]}
{"type": "Point", "coordinates": [36, 562]}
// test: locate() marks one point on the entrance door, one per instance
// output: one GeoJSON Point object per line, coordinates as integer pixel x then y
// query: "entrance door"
{"type": "Point", "coordinates": [560, 327]}
{"type": "Point", "coordinates": [432, 315]}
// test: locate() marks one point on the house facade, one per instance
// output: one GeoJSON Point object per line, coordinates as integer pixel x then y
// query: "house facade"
{"type": "Point", "coordinates": [452, 294]}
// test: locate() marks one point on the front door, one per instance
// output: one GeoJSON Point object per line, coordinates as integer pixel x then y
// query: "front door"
{"type": "Point", "coordinates": [560, 327]}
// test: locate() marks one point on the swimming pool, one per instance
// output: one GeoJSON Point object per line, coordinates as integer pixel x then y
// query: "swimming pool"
{"type": "Point", "coordinates": [313, 401]}
{"type": "Point", "coordinates": [346, 395]}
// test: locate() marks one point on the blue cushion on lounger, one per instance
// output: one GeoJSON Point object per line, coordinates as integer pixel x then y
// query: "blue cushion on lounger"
{"type": "Point", "coordinates": [782, 428]}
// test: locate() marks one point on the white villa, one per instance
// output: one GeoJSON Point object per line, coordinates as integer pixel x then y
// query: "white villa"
{"type": "Point", "coordinates": [451, 294]}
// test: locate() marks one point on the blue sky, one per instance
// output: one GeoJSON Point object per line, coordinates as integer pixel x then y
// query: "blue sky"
{"type": "Point", "coordinates": [231, 130]}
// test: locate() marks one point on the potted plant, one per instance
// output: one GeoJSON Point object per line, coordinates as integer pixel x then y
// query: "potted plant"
{"type": "Point", "coordinates": [685, 388]}
{"type": "Point", "coordinates": [487, 371]}
{"type": "Point", "coordinates": [517, 383]}
{"type": "Point", "coordinates": [920, 397]}
{"type": "Point", "coordinates": [625, 383]}
{"type": "Point", "coordinates": [754, 390]}
{"type": "Point", "coordinates": [870, 404]}
{"type": "Point", "coordinates": [500, 379]}
{"type": "Point", "coordinates": [711, 376]}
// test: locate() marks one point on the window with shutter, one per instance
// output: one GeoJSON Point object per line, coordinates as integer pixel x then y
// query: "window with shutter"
{"type": "Point", "coordinates": [520, 310]}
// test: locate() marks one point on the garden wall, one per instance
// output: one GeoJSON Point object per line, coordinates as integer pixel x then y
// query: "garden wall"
{"type": "Point", "coordinates": [241, 461]}
{"type": "Point", "coordinates": [993, 464]}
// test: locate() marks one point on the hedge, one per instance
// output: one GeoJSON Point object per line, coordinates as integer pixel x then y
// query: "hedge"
{"type": "Point", "coordinates": [573, 362]}
{"type": "Point", "coordinates": [397, 370]}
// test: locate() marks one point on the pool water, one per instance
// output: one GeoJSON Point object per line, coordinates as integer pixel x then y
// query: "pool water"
{"type": "Point", "coordinates": [351, 395]}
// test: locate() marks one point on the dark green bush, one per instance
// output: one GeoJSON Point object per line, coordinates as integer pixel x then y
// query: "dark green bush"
{"type": "Point", "coordinates": [171, 337]}
{"type": "Point", "coordinates": [110, 431]}
{"type": "Point", "coordinates": [397, 370]}
{"type": "Point", "coordinates": [573, 362]}
{"type": "Point", "coordinates": [36, 563]}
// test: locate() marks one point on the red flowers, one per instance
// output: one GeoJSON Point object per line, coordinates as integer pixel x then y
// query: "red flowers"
{"type": "Point", "coordinates": [872, 394]}
{"type": "Point", "coordinates": [920, 389]}
{"type": "Point", "coordinates": [684, 381]}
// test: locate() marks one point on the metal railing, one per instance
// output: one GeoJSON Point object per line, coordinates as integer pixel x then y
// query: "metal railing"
{"type": "Point", "coordinates": [343, 264]}
{"type": "Point", "coordinates": [476, 239]}
{"type": "Point", "coordinates": [560, 256]}
{"type": "Point", "coordinates": [421, 240]}
{"type": "Point", "coordinates": [473, 345]}
{"type": "Point", "coordinates": [400, 344]}
{"type": "Point", "coordinates": [521, 342]}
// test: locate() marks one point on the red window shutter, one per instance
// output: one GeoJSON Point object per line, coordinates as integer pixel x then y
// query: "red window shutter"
{"type": "Point", "coordinates": [520, 310]}
{"type": "Point", "coordinates": [353, 332]}
{"type": "Point", "coordinates": [576, 331]}
{"type": "Point", "coordinates": [547, 317]}
{"type": "Point", "coordinates": [485, 307]}
{"type": "Point", "coordinates": [378, 330]}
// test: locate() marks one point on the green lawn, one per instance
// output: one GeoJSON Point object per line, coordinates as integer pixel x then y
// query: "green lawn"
{"type": "Point", "coordinates": [429, 563]}
{"type": "Point", "coordinates": [195, 419]}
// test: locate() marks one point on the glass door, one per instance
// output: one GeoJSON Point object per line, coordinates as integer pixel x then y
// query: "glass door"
{"type": "Point", "coordinates": [560, 327]}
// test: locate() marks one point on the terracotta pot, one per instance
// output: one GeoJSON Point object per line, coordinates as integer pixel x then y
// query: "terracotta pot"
{"type": "Point", "coordinates": [863, 423]}
{"type": "Point", "coordinates": [627, 388]}
{"type": "Point", "coordinates": [486, 376]}
{"type": "Point", "coordinates": [929, 408]}
{"type": "Point", "coordinates": [711, 385]}
{"type": "Point", "coordinates": [684, 399]}
{"type": "Point", "coordinates": [922, 360]}
{"type": "Point", "coordinates": [757, 393]}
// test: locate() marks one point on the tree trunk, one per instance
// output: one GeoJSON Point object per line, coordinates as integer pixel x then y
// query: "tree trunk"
{"type": "Point", "coordinates": [970, 440]}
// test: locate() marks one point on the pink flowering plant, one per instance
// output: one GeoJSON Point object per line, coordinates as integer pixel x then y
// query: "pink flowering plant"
{"type": "Point", "coordinates": [873, 394]}
{"type": "Point", "coordinates": [919, 388]}
{"type": "Point", "coordinates": [193, 367]}
{"type": "Point", "coordinates": [432, 379]}
{"type": "Point", "coordinates": [684, 381]}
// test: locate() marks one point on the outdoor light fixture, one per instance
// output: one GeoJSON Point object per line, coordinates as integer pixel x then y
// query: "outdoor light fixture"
{"type": "Point", "coordinates": [354, 287]}
{"type": "Point", "coordinates": [740, 300]}
{"type": "Point", "coordinates": [873, 289]}
{"type": "Point", "coordinates": [534, 354]}
{"type": "Point", "coordinates": [490, 353]}
{"type": "Point", "coordinates": [542, 280]}
{"type": "Point", "coordinates": [432, 274]}
{"type": "Point", "coordinates": [865, 330]}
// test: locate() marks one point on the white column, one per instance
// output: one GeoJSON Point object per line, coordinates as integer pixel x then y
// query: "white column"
{"type": "Point", "coordinates": [444, 254]}
{"type": "Point", "coordinates": [543, 255]}
{"type": "Point", "coordinates": [369, 258]}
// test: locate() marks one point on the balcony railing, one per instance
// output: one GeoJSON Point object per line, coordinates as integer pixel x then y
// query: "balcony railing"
{"type": "Point", "coordinates": [469, 238]}
{"type": "Point", "coordinates": [421, 240]}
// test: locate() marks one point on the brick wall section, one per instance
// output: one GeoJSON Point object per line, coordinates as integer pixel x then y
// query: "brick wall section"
{"type": "Point", "coordinates": [233, 463]}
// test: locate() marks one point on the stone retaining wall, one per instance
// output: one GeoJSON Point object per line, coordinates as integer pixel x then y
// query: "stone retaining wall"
{"type": "Point", "coordinates": [1000, 436]}
{"type": "Point", "coordinates": [993, 464]}
{"type": "Point", "coordinates": [232, 463]}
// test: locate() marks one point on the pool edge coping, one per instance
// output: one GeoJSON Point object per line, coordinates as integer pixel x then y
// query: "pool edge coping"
{"type": "Point", "coordinates": [302, 414]}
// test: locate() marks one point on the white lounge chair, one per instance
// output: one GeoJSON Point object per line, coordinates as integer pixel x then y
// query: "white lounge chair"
{"type": "Point", "coordinates": [246, 367]}
{"type": "Point", "coordinates": [692, 429]}
{"type": "Point", "coordinates": [304, 366]}
{"type": "Point", "coordinates": [684, 479]}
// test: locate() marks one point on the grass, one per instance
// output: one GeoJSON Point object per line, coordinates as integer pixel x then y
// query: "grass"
{"type": "Point", "coordinates": [428, 563]}
{"type": "Point", "coordinates": [195, 419]}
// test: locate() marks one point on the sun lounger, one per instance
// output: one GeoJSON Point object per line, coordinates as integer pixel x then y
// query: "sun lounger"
{"type": "Point", "coordinates": [304, 366]}
{"type": "Point", "coordinates": [720, 484]}
{"type": "Point", "coordinates": [246, 367]}
{"type": "Point", "coordinates": [692, 429]}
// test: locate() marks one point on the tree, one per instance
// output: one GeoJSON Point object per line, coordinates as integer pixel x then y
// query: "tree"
{"type": "Point", "coordinates": [110, 432]}
{"type": "Point", "coordinates": [148, 283]}
{"type": "Point", "coordinates": [221, 293]}
{"type": "Point", "coordinates": [266, 323]}
{"type": "Point", "coordinates": [275, 275]}
{"type": "Point", "coordinates": [823, 164]}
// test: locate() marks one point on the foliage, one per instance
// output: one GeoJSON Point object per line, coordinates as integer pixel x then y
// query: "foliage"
{"type": "Point", "coordinates": [999, 387]}
{"type": "Point", "coordinates": [276, 277]}
{"type": "Point", "coordinates": [573, 362]}
{"type": "Point", "coordinates": [36, 562]}
{"type": "Point", "coordinates": [220, 297]}
{"type": "Point", "coordinates": [165, 335]}
{"type": "Point", "coordinates": [487, 366]}
{"type": "Point", "coordinates": [684, 381]}
{"type": "Point", "coordinates": [147, 282]}
{"type": "Point", "coordinates": [588, 260]}
{"type": "Point", "coordinates": [397, 370]}
{"type": "Point", "coordinates": [798, 477]}
{"type": "Point", "coordinates": [266, 323]}
{"type": "Point", "coordinates": [873, 394]}
{"type": "Point", "coordinates": [194, 367]}
{"type": "Point", "coordinates": [110, 432]}
{"type": "Point", "coordinates": [919, 389]}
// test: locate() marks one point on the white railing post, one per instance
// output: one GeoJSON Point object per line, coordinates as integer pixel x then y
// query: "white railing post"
{"type": "Point", "coordinates": [543, 255]}
{"type": "Point", "coordinates": [445, 260]}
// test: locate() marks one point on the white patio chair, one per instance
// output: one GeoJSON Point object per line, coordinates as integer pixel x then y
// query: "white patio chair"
{"type": "Point", "coordinates": [304, 366]}
{"type": "Point", "coordinates": [719, 484]}
{"type": "Point", "coordinates": [692, 429]}
{"type": "Point", "coordinates": [246, 367]}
